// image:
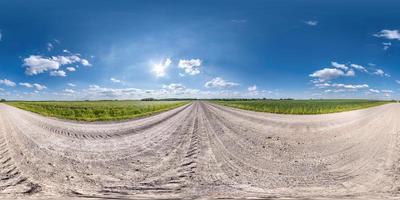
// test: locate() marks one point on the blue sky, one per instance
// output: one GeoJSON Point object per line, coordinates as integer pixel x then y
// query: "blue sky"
{"type": "Point", "coordinates": [94, 49]}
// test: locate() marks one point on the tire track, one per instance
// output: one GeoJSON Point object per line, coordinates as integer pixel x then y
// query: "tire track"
{"type": "Point", "coordinates": [12, 180]}
{"type": "Point", "coordinates": [206, 150]}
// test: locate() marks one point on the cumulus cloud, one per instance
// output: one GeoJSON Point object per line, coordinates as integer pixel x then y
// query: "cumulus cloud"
{"type": "Point", "coordinates": [97, 91]}
{"type": "Point", "coordinates": [398, 81]}
{"type": "Point", "coordinates": [191, 67]}
{"type": "Point", "coordinates": [220, 83]}
{"type": "Point", "coordinates": [160, 69]}
{"type": "Point", "coordinates": [69, 91]}
{"type": "Point", "coordinates": [386, 45]}
{"type": "Point", "coordinates": [359, 67]}
{"type": "Point", "coordinates": [49, 46]}
{"type": "Point", "coordinates": [374, 91]}
{"type": "Point", "coordinates": [71, 84]}
{"type": "Point", "coordinates": [350, 73]}
{"type": "Point", "coordinates": [388, 34]}
{"type": "Point", "coordinates": [252, 88]}
{"type": "Point", "coordinates": [64, 60]}
{"type": "Point", "coordinates": [7, 83]}
{"type": "Point", "coordinates": [349, 86]}
{"type": "Point", "coordinates": [71, 69]}
{"type": "Point", "coordinates": [114, 80]}
{"type": "Point", "coordinates": [174, 86]}
{"type": "Point", "coordinates": [58, 73]}
{"type": "Point", "coordinates": [327, 74]}
{"type": "Point", "coordinates": [341, 85]}
{"type": "Point", "coordinates": [85, 62]}
{"type": "Point", "coordinates": [311, 22]}
{"type": "Point", "coordinates": [39, 87]}
{"type": "Point", "coordinates": [339, 66]}
{"type": "Point", "coordinates": [380, 72]}
{"type": "Point", "coordinates": [28, 85]}
{"type": "Point", "coordinates": [387, 91]}
{"type": "Point", "coordinates": [36, 64]}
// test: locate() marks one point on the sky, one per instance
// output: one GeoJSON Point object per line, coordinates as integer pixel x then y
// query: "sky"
{"type": "Point", "coordinates": [100, 49]}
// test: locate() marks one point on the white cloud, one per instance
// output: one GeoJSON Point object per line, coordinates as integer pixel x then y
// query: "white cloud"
{"type": "Point", "coordinates": [322, 85]}
{"type": "Point", "coordinates": [85, 62]}
{"type": "Point", "coordinates": [398, 81]}
{"type": "Point", "coordinates": [374, 91]}
{"type": "Point", "coordinates": [349, 86]}
{"type": "Point", "coordinates": [340, 87]}
{"type": "Point", "coordinates": [386, 45]}
{"type": "Point", "coordinates": [8, 83]}
{"type": "Point", "coordinates": [174, 87]}
{"type": "Point", "coordinates": [70, 91]}
{"type": "Point", "coordinates": [115, 80]}
{"type": "Point", "coordinates": [387, 91]}
{"type": "Point", "coordinates": [252, 88]}
{"type": "Point", "coordinates": [95, 91]}
{"type": "Point", "coordinates": [36, 64]}
{"type": "Point", "coordinates": [327, 74]}
{"type": "Point", "coordinates": [71, 84]}
{"type": "Point", "coordinates": [36, 85]}
{"type": "Point", "coordinates": [28, 85]}
{"type": "Point", "coordinates": [359, 67]}
{"type": "Point", "coordinates": [339, 66]}
{"type": "Point", "coordinates": [191, 66]}
{"type": "Point", "coordinates": [39, 87]}
{"type": "Point", "coordinates": [220, 83]}
{"type": "Point", "coordinates": [71, 69]}
{"type": "Point", "coordinates": [49, 46]}
{"type": "Point", "coordinates": [380, 72]}
{"type": "Point", "coordinates": [350, 73]}
{"type": "Point", "coordinates": [64, 60]}
{"type": "Point", "coordinates": [58, 73]}
{"type": "Point", "coordinates": [160, 69]}
{"type": "Point", "coordinates": [311, 22]}
{"type": "Point", "coordinates": [389, 34]}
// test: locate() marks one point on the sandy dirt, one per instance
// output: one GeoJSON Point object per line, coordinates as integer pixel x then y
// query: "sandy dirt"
{"type": "Point", "coordinates": [203, 151]}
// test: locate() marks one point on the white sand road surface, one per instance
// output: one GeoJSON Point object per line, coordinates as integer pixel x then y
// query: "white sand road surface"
{"type": "Point", "coordinates": [203, 150]}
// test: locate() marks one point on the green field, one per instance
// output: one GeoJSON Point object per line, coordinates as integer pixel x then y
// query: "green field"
{"type": "Point", "coordinates": [97, 110]}
{"type": "Point", "coordinates": [302, 107]}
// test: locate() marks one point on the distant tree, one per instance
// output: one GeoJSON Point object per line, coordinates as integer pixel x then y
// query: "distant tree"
{"type": "Point", "coordinates": [2, 100]}
{"type": "Point", "coordinates": [148, 99]}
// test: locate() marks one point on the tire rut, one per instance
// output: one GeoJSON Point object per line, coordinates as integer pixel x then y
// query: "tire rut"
{"type": "Point", "coordinates": [203, 150]}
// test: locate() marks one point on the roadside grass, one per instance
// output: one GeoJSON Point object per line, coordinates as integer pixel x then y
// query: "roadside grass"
{"type": "Point", "coordinates": [301, 107]}
{"type": "Point", "coordinates": [97, 110]}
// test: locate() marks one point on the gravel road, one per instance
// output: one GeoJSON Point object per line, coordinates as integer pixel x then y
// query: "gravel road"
{"type": "Point", "coordinates": [203, 150]}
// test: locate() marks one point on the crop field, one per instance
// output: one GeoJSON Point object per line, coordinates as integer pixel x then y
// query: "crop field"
{"type": "Point", "coordinates": [97, 110]}
{"type": "Point", "coordinates": [301, 106]}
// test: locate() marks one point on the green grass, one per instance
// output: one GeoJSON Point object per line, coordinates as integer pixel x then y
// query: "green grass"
{"type": "Point", "coordinates": [97, 110]}
{"type": "Point", "coordinates": [301, 106]}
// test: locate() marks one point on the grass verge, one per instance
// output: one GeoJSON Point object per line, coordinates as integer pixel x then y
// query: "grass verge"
{"type": "Point", "coordinates": [301, 107]}
{"type": "Point", "coordinates": [97, 110]}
